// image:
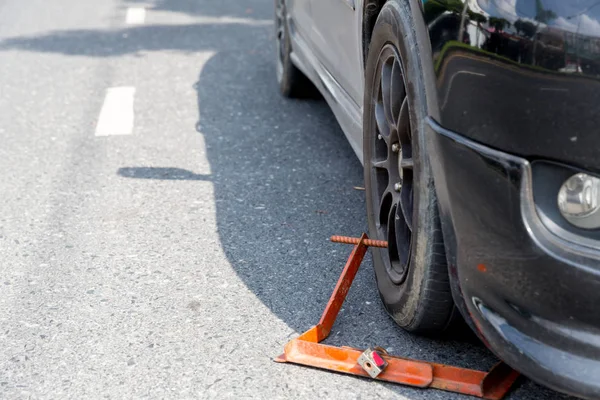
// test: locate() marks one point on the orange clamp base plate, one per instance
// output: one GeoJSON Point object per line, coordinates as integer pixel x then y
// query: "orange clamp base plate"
{"type": "Point", "coordinates": [307, 349]}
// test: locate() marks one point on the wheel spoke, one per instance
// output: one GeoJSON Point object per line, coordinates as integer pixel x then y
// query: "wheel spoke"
{"type": "Point", "coordinates": [382, 123]}
{"type": "Point", "coordinates": [407, 163]}
{"type": "Point", "coordinates": [403, 125]}
{"type": "Point", "coordinates": [403, 240]}
{"type": "Point", "coordinates": [383, 164]}
{"type": "Point", "coordinates": [397, 92]}
{"type": "Point", "coordinates": [391, 236]}
{"type": "Point", "coordinates": [389, 200]}
{"type": "Point", "coordinates": [406, 204]}
{"type": "Point", "coordinates": [384, 209]}
{"type": "Point", "coordinates": [386, 89]}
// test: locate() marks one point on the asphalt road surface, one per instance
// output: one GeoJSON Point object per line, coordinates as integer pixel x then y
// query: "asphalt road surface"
{"type": "Point", "coordinates": [175, 259]}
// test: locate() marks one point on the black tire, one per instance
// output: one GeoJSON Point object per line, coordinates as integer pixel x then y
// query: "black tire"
{"type": "Point", "coordinates": [292, 82]}
{"type": "Point", "coordinates": [412, 275]}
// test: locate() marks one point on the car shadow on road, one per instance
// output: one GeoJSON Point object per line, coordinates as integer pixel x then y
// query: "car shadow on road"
{"type": "Point", "coordinates": [290, 164]}
{"type": "Point", "coordinates": [284, 178]}
{"type": "Point", "coordinates": [161, 173]}
{"type": "Point", "coordinates": [210, 28]}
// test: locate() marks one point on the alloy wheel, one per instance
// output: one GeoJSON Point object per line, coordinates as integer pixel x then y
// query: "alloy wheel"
{"type": "Point", "coordinates": [392, 165]}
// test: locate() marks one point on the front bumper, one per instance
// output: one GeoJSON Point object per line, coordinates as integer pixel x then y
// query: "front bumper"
{"type": "Point", "coordinates": [531, 296]}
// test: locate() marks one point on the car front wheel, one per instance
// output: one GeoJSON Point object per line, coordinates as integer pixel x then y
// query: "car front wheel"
{"type": "Point", "coordinates": [412, 276]}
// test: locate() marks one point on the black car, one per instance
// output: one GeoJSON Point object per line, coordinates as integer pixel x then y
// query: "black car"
{"type": "Point", "coordinates": [476, 122]}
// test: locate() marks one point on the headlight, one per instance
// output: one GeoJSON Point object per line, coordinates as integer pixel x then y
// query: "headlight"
{"type": "Point", "coordinates": [579, 201]}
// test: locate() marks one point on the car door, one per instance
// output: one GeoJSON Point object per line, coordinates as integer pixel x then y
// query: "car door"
{"type": "Point", "coordinates": [336, 36]}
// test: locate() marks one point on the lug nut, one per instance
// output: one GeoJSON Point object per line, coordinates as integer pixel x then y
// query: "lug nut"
{"type": "Point", "coordinates": [395, 147]}
{"type": "Point", "coordinates": [379, 137]}
{"type": "Point", "coordinates": [397, 186]}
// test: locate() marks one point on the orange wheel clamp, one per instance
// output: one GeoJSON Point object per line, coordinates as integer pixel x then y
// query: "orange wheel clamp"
{"type": "Point", "coordinates": [379, 365]}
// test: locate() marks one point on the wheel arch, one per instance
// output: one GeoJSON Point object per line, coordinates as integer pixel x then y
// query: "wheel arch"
{"type": "Point", "coordinates": [370, 12]}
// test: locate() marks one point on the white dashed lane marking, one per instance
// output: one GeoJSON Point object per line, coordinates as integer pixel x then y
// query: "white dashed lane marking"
{"type": "Point", "coordinates": [135, 15]}
{"type": "Point", "coordinates": [116, 116]}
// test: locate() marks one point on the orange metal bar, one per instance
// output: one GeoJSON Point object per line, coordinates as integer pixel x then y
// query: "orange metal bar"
{"type": "Point", "coordinates": [351, 240]}
{"type": "Point", "coordinates": [344, 359]}
{"type": "Point", "coordinates": [306, 349]}
{"type": "Point", "coordinates": [342, 287]}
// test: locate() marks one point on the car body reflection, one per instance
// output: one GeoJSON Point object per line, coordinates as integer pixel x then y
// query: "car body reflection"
{"type": "Point", "coordinates": [500, 62]}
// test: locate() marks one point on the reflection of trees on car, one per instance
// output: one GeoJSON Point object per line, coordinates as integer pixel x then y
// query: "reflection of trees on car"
{"type": "Point", "coordinates": [498, 42]}
{"type": "Point", "coordinates": [435, 8]}
{"type": "Point", "coordinates": [528, 39]}
{"type": "Point", "coordinates": [450, 19]}
{"type": "Point", "coordinates": [542, 16]}
{"type": "Point", "coordinates": [499, 24]}
{"type": "Point", "coordinates": [525, 28]}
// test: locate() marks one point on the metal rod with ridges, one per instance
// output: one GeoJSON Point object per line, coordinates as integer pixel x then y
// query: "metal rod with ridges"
{"type": "Point", "coordinates": [351, 240]}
